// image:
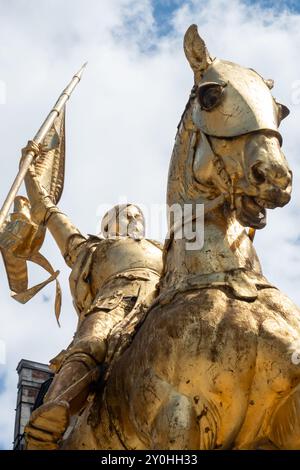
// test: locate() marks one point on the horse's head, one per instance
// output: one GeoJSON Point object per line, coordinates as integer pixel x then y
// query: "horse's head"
{"type": "Point", "coordinates": [239, 149]}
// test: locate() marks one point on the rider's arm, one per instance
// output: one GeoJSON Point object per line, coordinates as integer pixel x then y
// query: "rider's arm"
{"type": "Point", "coordinates": [67, 236]}
{"type": "Point", "coordinates": [44, 211]}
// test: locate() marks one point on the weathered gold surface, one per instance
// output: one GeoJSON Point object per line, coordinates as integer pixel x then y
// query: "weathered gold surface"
{"type": "Point", "coordinates": [20, 241]}
{"type": "Point", "coordinates": [248, 104]}
{"type": "Point", "coordinates": [112, 279]}
{"type": "Point", "coordinates": [23, 234]}
{"type": "Point", "coordinates": [210, 366]}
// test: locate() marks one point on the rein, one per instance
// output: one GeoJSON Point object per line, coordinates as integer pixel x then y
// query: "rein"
{"type": "Point", "coordinates": [221, 171]}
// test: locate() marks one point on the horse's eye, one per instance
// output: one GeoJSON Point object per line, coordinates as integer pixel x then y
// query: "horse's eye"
{"type": "Point", "coordinates": [210, 95]}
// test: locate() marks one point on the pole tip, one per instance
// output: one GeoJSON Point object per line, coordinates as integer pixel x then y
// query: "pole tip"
{"type": "Point", "coordinates": [80, 71]}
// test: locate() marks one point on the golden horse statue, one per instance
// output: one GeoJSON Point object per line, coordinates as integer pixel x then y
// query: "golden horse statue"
{"type": "Point", "coordinates": [211, 366]}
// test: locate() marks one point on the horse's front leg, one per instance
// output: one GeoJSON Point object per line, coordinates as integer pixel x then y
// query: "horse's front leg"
{"type": "Point", "coordinates": [284, 426]}
{"type": "Point", "coordinates": [175, 426]}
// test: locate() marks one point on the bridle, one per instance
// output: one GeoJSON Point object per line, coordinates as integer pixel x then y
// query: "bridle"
{"type": "Point", "coordinates": [219, 166]}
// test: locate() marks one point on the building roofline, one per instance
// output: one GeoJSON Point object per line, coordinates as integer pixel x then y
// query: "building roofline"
{"type": "Point", "coordinates": [34, 365]}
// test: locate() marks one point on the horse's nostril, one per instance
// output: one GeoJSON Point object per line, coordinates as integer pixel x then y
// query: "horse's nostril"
{"type": "Point", "coordinates": [258, 174]}
{"type": "Point", "coordinates": [284, 179]}
{"type": "Point", "coordinates": [274, 175]}
{"type": "Point", "coordinates": [281, 177]}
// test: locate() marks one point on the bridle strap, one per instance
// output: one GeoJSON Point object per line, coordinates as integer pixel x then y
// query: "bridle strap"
{"type": "Point", "coordinates": [228, 181]}
{"type": "Point", "coordinates": [221, 171]}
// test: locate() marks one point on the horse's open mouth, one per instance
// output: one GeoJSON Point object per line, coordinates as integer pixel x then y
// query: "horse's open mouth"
{"type": "Point", "coordinates": [251, 211]}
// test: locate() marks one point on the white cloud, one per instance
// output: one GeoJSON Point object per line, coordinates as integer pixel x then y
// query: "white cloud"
{"type": "Point", "coordinates": [121, 125]}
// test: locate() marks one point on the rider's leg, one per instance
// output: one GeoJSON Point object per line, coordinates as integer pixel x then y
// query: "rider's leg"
{"type": "Point", "coordinates": [85, 353]}
{"type": "Point", "coordinates": [87, 350]}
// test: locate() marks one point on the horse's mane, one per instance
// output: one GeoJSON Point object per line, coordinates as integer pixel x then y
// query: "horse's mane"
{"type": "Point", "coordinates": [183, 186]}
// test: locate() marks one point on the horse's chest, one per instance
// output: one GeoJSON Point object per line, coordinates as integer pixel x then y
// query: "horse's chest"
{"type": "Point", "coordinates": [227, 359]}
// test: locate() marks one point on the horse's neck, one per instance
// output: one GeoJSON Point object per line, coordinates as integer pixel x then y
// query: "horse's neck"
{"type": "Point", "coordinates": [226, 245]}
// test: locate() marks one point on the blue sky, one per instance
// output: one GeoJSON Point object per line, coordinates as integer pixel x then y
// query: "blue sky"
{"type": "Point", "coordinates": [293, 5]}
{"type": "Point", "coordinates": [2, 382]}
{"type": "Point", "coordinates": [164, 9]}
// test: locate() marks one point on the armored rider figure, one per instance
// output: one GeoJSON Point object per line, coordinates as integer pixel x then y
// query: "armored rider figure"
{"type": "Point", "coordinates": [112, 276]}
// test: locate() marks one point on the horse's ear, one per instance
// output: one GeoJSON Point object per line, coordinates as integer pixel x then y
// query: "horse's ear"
{"type": "Point", "coordinates": [196, 52]}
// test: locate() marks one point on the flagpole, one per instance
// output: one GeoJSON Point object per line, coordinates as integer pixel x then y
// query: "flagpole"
{"type": "Point", "coordinates": [38, 139]}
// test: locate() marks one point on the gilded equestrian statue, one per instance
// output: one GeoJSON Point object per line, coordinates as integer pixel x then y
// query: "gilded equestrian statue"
{"type": "Point", "coordinates": [210, 366]}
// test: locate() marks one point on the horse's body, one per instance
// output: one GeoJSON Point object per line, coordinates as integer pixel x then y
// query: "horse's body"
{"type": "Point", "coordinates": [202, 378]}
{"type": "Point", "coordinates": [211, 366]}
